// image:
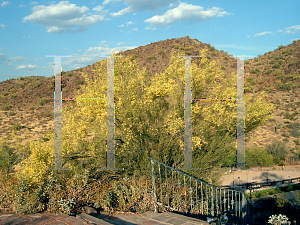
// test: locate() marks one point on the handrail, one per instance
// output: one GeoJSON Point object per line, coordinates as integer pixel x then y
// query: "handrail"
{"type": "Point", "coordinates": [209, 200]}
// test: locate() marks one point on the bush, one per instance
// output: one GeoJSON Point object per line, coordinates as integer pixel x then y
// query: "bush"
{"type": "Point", "coordinates": [295, 127]}
{"type": "Point", "coordinates": [225, 57]}
{"type": "Point", "coordinates": [16, 126]}
{"type": "Point", "coordinates": [78, 81]}
{"type": "Point", "coordinates": [251, 80]}
{"type": "Point", "coordinates": [257, 157]}
{"type": "Point", "coordinates": [5, 107]}
{"type": "Point", "coordinates": [280, 47]}
{"type": "Point", "coordinates": [268, 71]}
{"type": "Point", "coordinates": [296, 141]}
{"type": "Point", "coordinates": [276, 65]}
{"type": "Point", "coordinates": [43, 101]}
{"type": "Point", "coordinates": [278, 150]}
{"type": "Point", "coordinates": [12, 90]}
{"type": "Point", "coordinates": [161, 52]}
{"type": "Point", "coordinates": [4, 93]}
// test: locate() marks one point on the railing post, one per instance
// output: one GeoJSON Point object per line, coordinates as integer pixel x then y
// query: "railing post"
{"type": "Point", "coordinates": [154, 189]}
{"type": "Point", "coordinates": [212, 202]}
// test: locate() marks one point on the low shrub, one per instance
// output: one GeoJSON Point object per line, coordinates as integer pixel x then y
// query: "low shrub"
{"type": "Point", "coordinates": [5, 107]}
{"type": "Point", "coordinates": [257, 157]}
{"type": "Point", "coordinates": [278, 150]}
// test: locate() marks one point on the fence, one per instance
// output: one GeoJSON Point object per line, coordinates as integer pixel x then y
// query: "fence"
{"type": "Point", "coordinates": [204, 200]}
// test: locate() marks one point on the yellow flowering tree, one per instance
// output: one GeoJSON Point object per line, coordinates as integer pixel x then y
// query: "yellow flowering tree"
{"type": "Point", "coordinates": [149, 119]}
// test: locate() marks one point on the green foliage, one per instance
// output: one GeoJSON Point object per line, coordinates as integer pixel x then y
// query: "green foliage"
{"type": "Point", "coordinates": [149, 119]}
{"type": "Point", "coordinates": [16, 126]}
{"type": "Point", "coordinates": [292, 63]}
{"type": "Point", "coordinates": [11, 113]}
{"type": "Point", "coordinates": [78, 81]}
{"type": "Point", "coordinates": [257, 157]}
{"type": "Point", "coordinates": [276, 65]}
{"type": "Point", "coordinates": [288, 116]}
{"type": "Point", "coordinates": [296, 141]}
{"type": "Point", "coordinates": [295, 127]}
{"type": "Point", "coordinates": [251, 80]}
{"type": "Point", "coordinates": [161, 52]}
{"type": "Point", "coordinates": [34, 84]}
{"type": "Point", "coordinates": [284, 86]}
{"type": "Point", "coordinates": [280, 47]}
{"type": "Point", "coordinates": [43, 101]}
{"type": "Point", "coordinates": [12, 90]}
{"type": "Point", "coordinates": [268, 71]}
{"type": "Point", "coordinates": [277, 57]}
{"type": "Point", "coordinates": [50, 87]}
{"type": "Point", "coordinates": [278, 150]}
{"type": "Point", "coordinates": [188, 53]}
{"type": "Point", "coordinates": [288, 51]}
{"type": "Point", "coordinates": [4, 93]}
{"type": "Point", "coordinates": [254, 70]}
{"type": "Point", "coordinates": [5, 107]}
{"type": "Point", "coordinates": [151, 57]}
{"type": "Point", "coordinates": [22, 85]}
{"type": "Point", "coordinates": [7, 157]}
{"type": "Point", "coordinates": [225, 57]}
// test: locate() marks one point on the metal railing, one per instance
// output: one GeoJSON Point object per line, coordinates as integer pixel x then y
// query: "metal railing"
{"type": "Point", "coordinates": [195, 197]}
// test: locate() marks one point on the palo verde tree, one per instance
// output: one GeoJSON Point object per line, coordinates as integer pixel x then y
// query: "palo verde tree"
{"type": "Point", "coordinates": [149, 120]}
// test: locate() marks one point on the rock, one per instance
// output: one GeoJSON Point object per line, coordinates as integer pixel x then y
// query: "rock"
{"type": "Point", "coordinates": [90, 210]}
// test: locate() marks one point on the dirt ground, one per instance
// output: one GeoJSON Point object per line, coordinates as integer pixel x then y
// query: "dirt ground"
{"type": "Point", "coordinates": [261, 174]}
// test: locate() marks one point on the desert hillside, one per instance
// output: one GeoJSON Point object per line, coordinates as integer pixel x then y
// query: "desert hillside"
{"type": "Point", "coordinates": [27, 102]}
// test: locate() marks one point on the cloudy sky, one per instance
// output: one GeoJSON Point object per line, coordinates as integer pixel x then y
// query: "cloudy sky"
{"type": "Point", "coordinates": [31, 30]}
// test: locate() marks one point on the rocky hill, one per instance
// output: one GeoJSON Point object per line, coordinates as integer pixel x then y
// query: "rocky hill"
{"type": "Point", "coordinates": [27, 102]}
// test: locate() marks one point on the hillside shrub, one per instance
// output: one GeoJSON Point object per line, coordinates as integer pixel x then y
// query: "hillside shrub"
{"type": "Point", "coordinates": [225, 57]}
{"type": "Point", "coordinates": [43, 101]}
{"type": "Point", "coordinates": [16, 126]}
{"type": "Point", "coordinates": [278, 150]}
{"type": "Point", "coordinates": [268, 71]}
{"type": "Point", "coordinates": [13, 95]}
{"type": "Point", "coordinates": [295, 127]}
{"type": "Point", "coordinates": [251, 80]}
{"type": "Point", "coordinates": [4, 93]}
{"type": "Point", "coordinates": [22, 85]}
{"type": "Point", "coordinates": [12, 90]}
{"type": "Point", "coordinates": [276, 65]}
{"type": "Point", "coordinates": [78, 81]}
{"type": "Point", "coordinates": [284, 86]}
{"type": "Point", "coordinates": [161, 52]}
{"type": "Point", "coordinates": [257, 157]}
{"type": "Point", "coordinates": [5, 107]}
{"type": "Point", "coordinates": [280, 47]}
{"type": "Point", "coordinates": [253, 71]}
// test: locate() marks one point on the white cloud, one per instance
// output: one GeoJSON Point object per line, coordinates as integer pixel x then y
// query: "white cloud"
{"type": "Point", "coordinates": [187, 12]}
{"type": "Point", "coordinates": [2, 25]}
{"type": "Point", "coordinates": [65, 17]}
{"type": "Point", "coordinates": [108, 1]}
{"type": "Point", "coordinates": [293, 29]}
{"type": "Point", "coordinates": [2, 57]}
{"type": "Point", "coordinates": [135, 29]}
{"type": "Point", "coordinates": [3, 4]}
{"type": "Point", "coordinates": [122, 12]}
{"type": "Point", "coordinates": [280, 31]}
{"type": "Point", "coordinates": [34, 3]}
{"type": "Point", "coordinates": [129, 23]}
{"type": "Point", "coordinates": [98, 8]}
{"type": "Point", "coordinates": [247, 36]}
{"type": "Point", "coordinates": [27, 67]}
{"type": "Point", "coordinates": [121, 43]}
{"type": "Point", "coordinates": [262, 33]}
{"type": "Point", "coordinates": [121, 25]}
{"type": "Point", "coordinates": [18, 59]}
{"type": "Point", "coordinates": [141, 6]}
{"type": "Point", "coordinates": [150, 28]}
{"type": "Point", "coordinates": [103, 42]}
{"type": "Point", "coordinates": [21, 5]}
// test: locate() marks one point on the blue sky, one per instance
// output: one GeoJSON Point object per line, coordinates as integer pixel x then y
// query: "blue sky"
{"type": "Point", "coordinates": [31, 30]}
